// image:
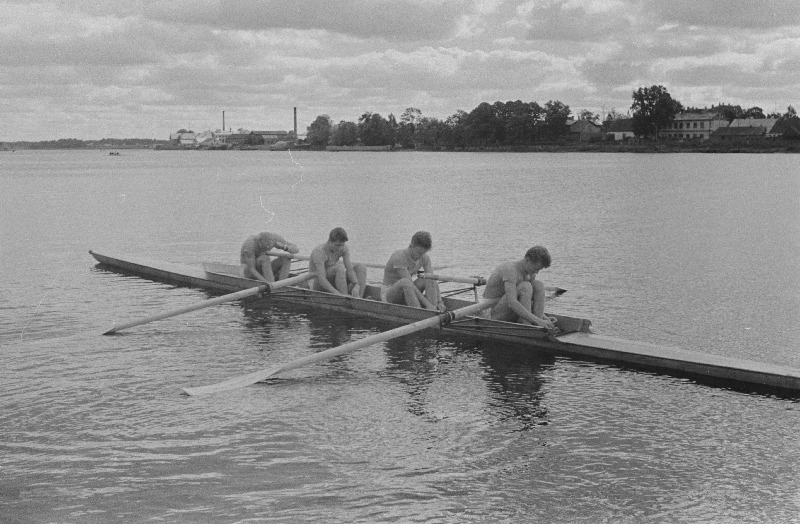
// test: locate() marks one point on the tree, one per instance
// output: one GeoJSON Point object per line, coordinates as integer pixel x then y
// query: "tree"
{"type": "Point", "coordinates": [556, 115]}
{"type": "Point", "coordinates": [585, 114]}
{"type": "Point", "coordinates": [406, 131]}
{"type": "Point", "coordinates": [521, 119]}
{"type": "Point", "coordinates": [456, 129]}
{"type": "Point", "coordinates": [483, 125]}
{"type": "Point", "coordinates": [374, 130]}
{"type": "Point", "coordinates": [614, 115]}
{"type": "Point", "coordinates": [344, 134]}
{"type": "Point", "coordinates": [790, 112]}
{"type": "Point", "coordinates": [754, 112]}
{"type": "Point", "coordinates": [411, 116]}
{"type": "Point", "coordinates": [431, 133]}
{"type": "Point", "coordinates": [318, 133]}
{"type": "Point", "coordinates": [653, 109]}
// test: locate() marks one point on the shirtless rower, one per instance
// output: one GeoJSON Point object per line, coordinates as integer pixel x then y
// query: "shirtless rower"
{"type": "Point", "coordinates": [257, 264]}
{"type": "Point", "coordinates": [521, 296]}
{"type": "Point", "coordinates": [332, 276]}
{"type": "Point", "coordinates": [399, 284]}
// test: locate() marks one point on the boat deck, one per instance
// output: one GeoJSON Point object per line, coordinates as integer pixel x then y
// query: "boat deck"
{"type": "Point", "coordinates": [578, 343]}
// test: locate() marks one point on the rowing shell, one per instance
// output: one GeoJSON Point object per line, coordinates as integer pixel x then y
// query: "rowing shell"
{"type": "Point", "coordinates": [576, 341]}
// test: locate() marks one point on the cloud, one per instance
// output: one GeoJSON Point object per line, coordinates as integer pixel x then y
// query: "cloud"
{"type": "Point", "coordinates": [79, 67]}
{"type": "Point", "coordinates": [572, 21]}
{"type": "Point", "coordinates": [380, 19]}
{"type": "Point", "coordinates": [739, 14]}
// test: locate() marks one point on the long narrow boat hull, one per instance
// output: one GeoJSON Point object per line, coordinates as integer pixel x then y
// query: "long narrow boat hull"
{"type": "Point", "coordinates": [577, 340]}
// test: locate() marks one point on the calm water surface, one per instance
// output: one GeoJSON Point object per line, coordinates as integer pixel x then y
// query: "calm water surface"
{"type": "Point", "coordinates": [697, 251]}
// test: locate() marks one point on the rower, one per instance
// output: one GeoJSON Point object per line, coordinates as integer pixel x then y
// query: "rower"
{"type": "Point", "coordinates": [522, 297]}
{"type": "Point", "coordinates": [256, 262]}
{"type": "Point", "coordinates": [398, 285]}
{"type": "Point", "coordinates": [332, 276]}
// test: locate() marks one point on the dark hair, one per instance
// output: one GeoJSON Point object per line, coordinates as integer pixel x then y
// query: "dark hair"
{"type": "Point", "coordinates": [539, 254]}
{"type": "Point", "coordinates": [337, 234]}
{"type": "Point", "coordinates": [422, 239]}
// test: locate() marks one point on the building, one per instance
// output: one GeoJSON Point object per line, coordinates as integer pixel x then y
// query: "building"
{"type": "Point", "coordinates": [620, 129]}
{"type": "Point", "coordinates": [786, 127]}
{"type": "Point", "coordinates": [186, 138]}
{"type": "Point", "coordinates": [273, 137]}
{"type": "Point", "coordinates": [739, 133]}
{"type": "Point", "coordinates": [766, 123]}
{"type": "Point", "coordinates": [698, 126]}
{"type": "Point", "coordinates": [584, 131]}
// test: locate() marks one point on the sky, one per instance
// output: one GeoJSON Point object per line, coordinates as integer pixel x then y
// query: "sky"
{"type": "Point", "coordinates": [92, 69]}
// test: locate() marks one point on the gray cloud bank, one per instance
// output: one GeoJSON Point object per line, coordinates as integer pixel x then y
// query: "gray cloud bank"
{"type": "Point", "coordinates": [142, 69]}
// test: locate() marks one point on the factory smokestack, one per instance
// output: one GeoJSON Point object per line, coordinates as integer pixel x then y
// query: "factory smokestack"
{"type": "Point", "coordinates": [223, 120]}
{"type": "Point", "coordinates": [295, 125]}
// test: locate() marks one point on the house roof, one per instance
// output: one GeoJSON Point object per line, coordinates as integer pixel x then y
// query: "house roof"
{"type": "Point", "coordinates": [582, 121]}
{"type": "Point", "coordinates": [682, 117]}
{"type": "Point", "coordinates": [740, 131]}
{"type": "Point", "coordinates": [790, 125]}
{"type": "Point", "coordinates": [621, 125]}
{"type": "Point", "coordinates": [766, 123]}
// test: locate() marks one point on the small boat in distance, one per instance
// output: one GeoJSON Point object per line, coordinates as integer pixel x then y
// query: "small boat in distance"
{"type": "Point", "coordinates": [114, 153]}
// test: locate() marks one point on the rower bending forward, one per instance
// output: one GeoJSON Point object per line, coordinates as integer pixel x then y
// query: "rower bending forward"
{"type": "Point", "coordinates": [256, 262]}
{"type": "Point", "coordinates": [521, 296]}
{"type": "Point", "coordinates": [339, 278]}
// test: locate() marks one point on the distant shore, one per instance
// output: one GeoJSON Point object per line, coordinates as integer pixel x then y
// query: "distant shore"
{"type": "Point", "coordinates": [776, 145]}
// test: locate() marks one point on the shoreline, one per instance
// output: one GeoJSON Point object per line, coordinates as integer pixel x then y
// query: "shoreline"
{"type": "Point", "coordinates": [766, 146]}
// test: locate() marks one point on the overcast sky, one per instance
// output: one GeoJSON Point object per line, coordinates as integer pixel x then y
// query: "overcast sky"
{"type": "Point", "coordinates": [144, 68]}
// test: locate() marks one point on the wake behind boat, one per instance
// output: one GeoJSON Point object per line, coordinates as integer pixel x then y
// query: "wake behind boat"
{"type": "Point", "coordinates": [575, 339]}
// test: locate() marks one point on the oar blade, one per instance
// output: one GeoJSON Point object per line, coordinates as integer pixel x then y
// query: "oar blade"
{"type": "Point", "coordinates": [234, 383]}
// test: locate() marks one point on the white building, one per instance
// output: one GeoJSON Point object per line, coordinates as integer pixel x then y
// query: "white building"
{"type": "Point", "coordinates": [693, 125]}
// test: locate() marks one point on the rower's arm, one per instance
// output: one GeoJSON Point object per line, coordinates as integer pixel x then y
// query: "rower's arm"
{"type": "Point", "coordinates": [432, 286]}
{"type": "Point", "coordinates": [510, 289]}
{"type": "Point", "coordinates": [250, 261]}
{"type": "Point", "coordinates": [321, 275]}
{"type": "Point", "coordinates": [348, 266]}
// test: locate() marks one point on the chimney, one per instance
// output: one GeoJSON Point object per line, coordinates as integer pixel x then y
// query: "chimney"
{"type": "Point", "coordinates": [295, 124]}
{"type": "Point", "coordinates": [223, 121]}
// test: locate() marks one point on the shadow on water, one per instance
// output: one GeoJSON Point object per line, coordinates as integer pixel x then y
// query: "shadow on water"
{"type": "Point", "coordinates": [516, 377]}
{"type": "Point", "coordinates": [511, 377]}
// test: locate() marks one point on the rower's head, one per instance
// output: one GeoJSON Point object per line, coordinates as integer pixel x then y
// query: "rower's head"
{"type": "Point", "coordinates": [537, 258]}
{"type": "Point", "coordinates": [337, 236]}
{"type": "Point", "coordinates": [421, 243]}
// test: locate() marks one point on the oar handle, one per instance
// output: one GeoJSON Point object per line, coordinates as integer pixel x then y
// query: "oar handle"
{"type": "Point", "coordinates": [475, 281]}
{"type": "Point", "coordinates": [480, 281]}
{"type": "Point", "coordinates": [266, 288]}
{"type": "Point", "coordinates": [306, 257]}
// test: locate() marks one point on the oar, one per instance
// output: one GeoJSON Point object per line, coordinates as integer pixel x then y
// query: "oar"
{"type": "Point", "coordinates": [475, 281]}
{"type": "Point", "coordinates": [306, 257]}
{"type": "Point", "coordinates": [266, 288]}
{"type": "Point", "coordinates": [251, 378]}
{"type": "Point", "coordinates": [480, 281]}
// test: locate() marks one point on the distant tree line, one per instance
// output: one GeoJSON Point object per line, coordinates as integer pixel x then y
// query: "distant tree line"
{"type": "Point", "coordinates": [504, 124]}
{"type": "Point", "coordinates": [513, 123]}
{"type": "Point", "coordinates": [74, 143]}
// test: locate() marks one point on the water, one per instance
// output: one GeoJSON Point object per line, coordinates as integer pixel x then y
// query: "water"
{"type": "Point", "coordinates": [698, 251]}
